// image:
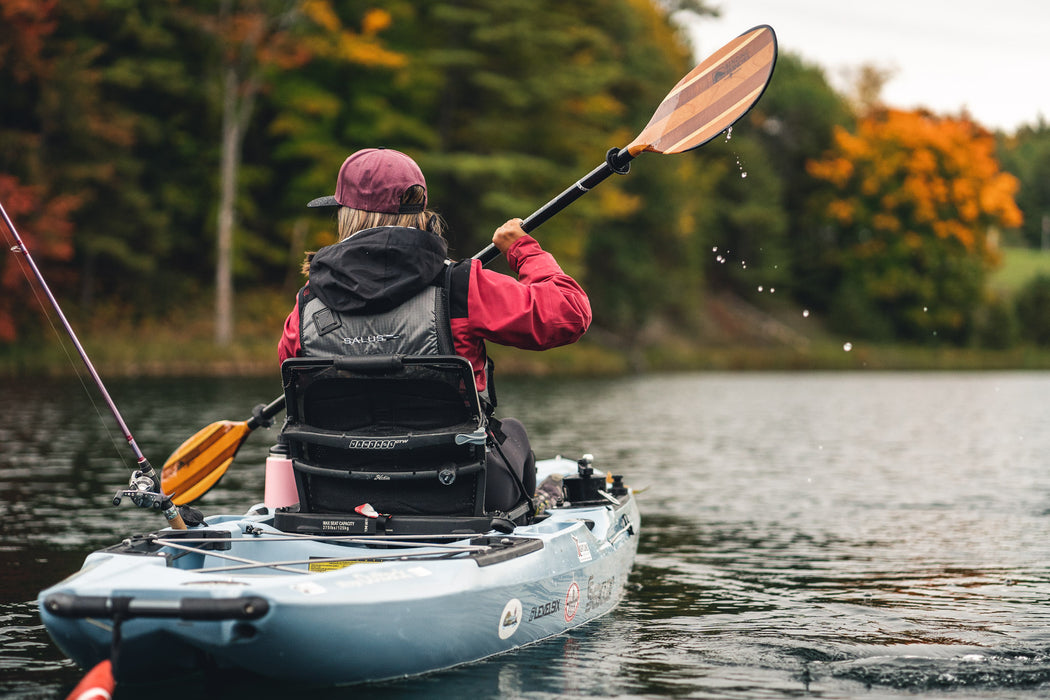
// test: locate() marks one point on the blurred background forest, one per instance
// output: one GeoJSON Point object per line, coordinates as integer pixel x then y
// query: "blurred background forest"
{"type": "Point", "coordinates": [157, 155]}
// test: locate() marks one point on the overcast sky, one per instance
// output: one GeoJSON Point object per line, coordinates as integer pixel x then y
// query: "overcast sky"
{"type": "Point", "coordinates": [990, 57]}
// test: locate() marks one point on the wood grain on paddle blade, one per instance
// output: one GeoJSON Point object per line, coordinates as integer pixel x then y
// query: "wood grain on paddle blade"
{"type": "Point", "coordinates": [199, 462]}
{"type": "Point", "coordinates": [712, 96]}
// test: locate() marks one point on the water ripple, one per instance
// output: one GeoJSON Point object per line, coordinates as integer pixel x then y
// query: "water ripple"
{"type": "Point", "coordinates": [810, 535]}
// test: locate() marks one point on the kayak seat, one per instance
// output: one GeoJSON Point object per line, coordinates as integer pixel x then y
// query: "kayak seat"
{"type": "Point", "coordinates": [394, 443]}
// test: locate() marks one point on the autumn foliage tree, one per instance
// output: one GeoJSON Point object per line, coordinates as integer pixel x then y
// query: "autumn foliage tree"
{"type": "Point", "coordinates": [43, 221]}
{"type": "Point", "coordinates": [910, 213]}
{"type": "Point", "coordinates": [135, 135]}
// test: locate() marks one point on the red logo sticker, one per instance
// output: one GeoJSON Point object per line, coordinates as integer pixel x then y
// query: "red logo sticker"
{"type": "Point", "coordinates": [572, 601]}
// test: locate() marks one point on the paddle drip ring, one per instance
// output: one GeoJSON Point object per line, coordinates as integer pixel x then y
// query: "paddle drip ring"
{"type": "Point", "coordinates": [611, 159]}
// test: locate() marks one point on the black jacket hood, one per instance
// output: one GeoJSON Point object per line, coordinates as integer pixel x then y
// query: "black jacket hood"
{"type": "Point", "coordinates": [377, 269]}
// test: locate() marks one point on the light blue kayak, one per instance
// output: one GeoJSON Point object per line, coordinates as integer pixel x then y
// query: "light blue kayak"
{"type": "Point", "coordinates": [237, 593]}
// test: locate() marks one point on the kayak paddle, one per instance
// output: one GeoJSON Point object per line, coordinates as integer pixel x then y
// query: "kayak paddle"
{"type": "Point", "coordinates": [197, 464]}
{"type": "Point", "coordinates": [706, 102]}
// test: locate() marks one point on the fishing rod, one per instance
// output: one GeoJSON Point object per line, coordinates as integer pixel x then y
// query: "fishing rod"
{"type": "Point", "coordinates": [144, 487]}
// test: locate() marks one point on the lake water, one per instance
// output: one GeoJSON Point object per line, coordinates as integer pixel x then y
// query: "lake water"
{"type": "Point", "coordinates": [882, 535]}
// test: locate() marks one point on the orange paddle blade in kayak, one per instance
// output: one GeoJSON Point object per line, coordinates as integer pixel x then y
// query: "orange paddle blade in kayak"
{"type": "Point", "coordinates": [199, 462]}
{"type": "Point", "coordinates": [712, 96]}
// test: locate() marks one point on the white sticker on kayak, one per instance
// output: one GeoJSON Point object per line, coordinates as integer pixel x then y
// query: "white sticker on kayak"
{"type": "Point", "coordinates": [358, 579]}
{"type": "Point", "coordinates": [510, 618]}
{"type": "Point", "coordinates": [583, 550]}
{"type": "Point", "coordinates": [309, 588]}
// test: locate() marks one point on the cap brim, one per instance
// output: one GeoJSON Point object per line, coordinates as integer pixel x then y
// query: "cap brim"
{"type": "Point", "coordinates": [328, 201]}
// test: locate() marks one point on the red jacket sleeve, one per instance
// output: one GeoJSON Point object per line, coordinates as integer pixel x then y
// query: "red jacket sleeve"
{"type": "Point", "coordinates": [543, 308]}
{"type": "Point", "coordinates": [289, 343]}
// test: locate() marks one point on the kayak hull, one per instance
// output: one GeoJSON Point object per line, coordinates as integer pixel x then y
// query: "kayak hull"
{"type": "Point", "coordinates": [336, 611]}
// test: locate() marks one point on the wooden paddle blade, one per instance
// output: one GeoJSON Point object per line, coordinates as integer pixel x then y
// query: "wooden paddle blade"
{"type": "Point", "coordinates": [197, 489]}
{"type": "Point", "coordinates": [199, 462]}
{"type": "Point", "coordinates": [712, 96]}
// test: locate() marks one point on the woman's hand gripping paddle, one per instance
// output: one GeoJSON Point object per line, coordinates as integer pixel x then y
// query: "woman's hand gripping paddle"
{"type": "Point", "coordinates": [706, 102]}
{"type": "Point", "coordinates": [201, 461]}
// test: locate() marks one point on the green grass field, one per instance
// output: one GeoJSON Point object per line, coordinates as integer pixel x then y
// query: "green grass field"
{"type": "Point", "coordinates": [1019, 266]}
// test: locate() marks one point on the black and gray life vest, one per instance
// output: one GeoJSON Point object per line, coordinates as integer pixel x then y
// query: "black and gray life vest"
{"type": "Point", "coordinates": [388, 290]}
{"type": "Point", "coordinates": [419, 326]}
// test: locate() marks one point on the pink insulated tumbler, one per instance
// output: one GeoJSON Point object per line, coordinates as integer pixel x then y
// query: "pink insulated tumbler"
{"type": "Point", "coordinates": [280, 488]}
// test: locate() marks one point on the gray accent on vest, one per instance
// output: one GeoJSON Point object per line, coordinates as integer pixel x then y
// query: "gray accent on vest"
{"type": "Point", "coordinates": [420, 326]}
{"type": "Point", "coordinates": [410, 329]}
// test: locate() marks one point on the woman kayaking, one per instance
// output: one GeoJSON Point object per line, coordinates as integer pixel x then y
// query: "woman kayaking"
{"type": "Point", "coordinates": [387, 287]}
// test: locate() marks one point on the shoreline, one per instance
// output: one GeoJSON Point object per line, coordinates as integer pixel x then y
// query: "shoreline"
{"type": "Point", "coordinates": [585, 359]}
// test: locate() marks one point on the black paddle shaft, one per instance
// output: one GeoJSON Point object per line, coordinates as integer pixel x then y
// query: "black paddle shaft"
{"type": "Point", "coordinates": [617, 161]}
{"type": "Point", "coordinates": [262, 415]}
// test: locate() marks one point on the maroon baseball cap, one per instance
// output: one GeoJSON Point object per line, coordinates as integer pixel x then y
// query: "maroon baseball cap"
{"type": "Point", "coordinates": [374, 179]}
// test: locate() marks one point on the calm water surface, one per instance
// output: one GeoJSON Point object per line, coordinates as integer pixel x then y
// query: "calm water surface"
{"type": "Point", "coordinates": [875, 535]}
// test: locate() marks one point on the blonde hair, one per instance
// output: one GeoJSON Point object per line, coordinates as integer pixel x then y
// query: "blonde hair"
{"type": "Point", "coordinates": [350, 221]}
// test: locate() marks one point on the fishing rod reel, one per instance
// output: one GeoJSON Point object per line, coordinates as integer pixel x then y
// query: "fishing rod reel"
{"type": "Point", "coordinates": [143, 490]}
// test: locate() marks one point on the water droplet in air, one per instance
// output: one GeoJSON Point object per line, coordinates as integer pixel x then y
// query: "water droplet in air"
{"type": "Point", "coordinates": [847, 347]}
{"type": "Point", "coordinates": [729, 133]}
{"type": "Point", "coordinates": [760, 288]}
{"type": "Point", "coordinates": [805, 313]}
{"type": "Point", "coordinates": [743, 174]}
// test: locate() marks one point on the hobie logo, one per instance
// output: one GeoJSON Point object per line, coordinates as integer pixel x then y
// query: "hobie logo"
{"type": "Point", "coordinates": [510, 618]}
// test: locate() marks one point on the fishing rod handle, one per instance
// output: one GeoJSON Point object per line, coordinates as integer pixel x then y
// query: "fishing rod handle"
{"type": "Point", "coordinates": [617, 160]}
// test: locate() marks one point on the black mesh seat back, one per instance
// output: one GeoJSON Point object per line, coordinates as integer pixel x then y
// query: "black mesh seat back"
{"type": "Point", "coordinates": [380, 404]}
{"type": "Point", "coordinates": [388, 429]}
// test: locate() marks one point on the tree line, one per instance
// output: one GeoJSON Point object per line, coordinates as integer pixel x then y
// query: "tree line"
{"type": "Point", "coordinates": [159, 154]}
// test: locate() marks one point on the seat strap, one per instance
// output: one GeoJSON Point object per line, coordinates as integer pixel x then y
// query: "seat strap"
{"type": "Point", "coordinates": [442, 315]}
{"type": "Point", "coordinates": [527, 503]}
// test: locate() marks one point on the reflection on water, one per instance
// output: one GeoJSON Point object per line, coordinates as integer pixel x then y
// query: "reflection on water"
{"type": "Point", "coordinates": [822, 534]}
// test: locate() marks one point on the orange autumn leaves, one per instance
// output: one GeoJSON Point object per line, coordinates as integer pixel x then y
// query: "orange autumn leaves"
{"type": "Point", "coordinates": [906, 175]}
{"type": "Point", "coordinates": [911, 208]}
{"type": "Point", "coordinates": [362, 47]}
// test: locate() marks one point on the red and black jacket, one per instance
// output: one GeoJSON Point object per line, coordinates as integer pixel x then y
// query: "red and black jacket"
{"type": "Point", "coordinates": [387, 271]}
